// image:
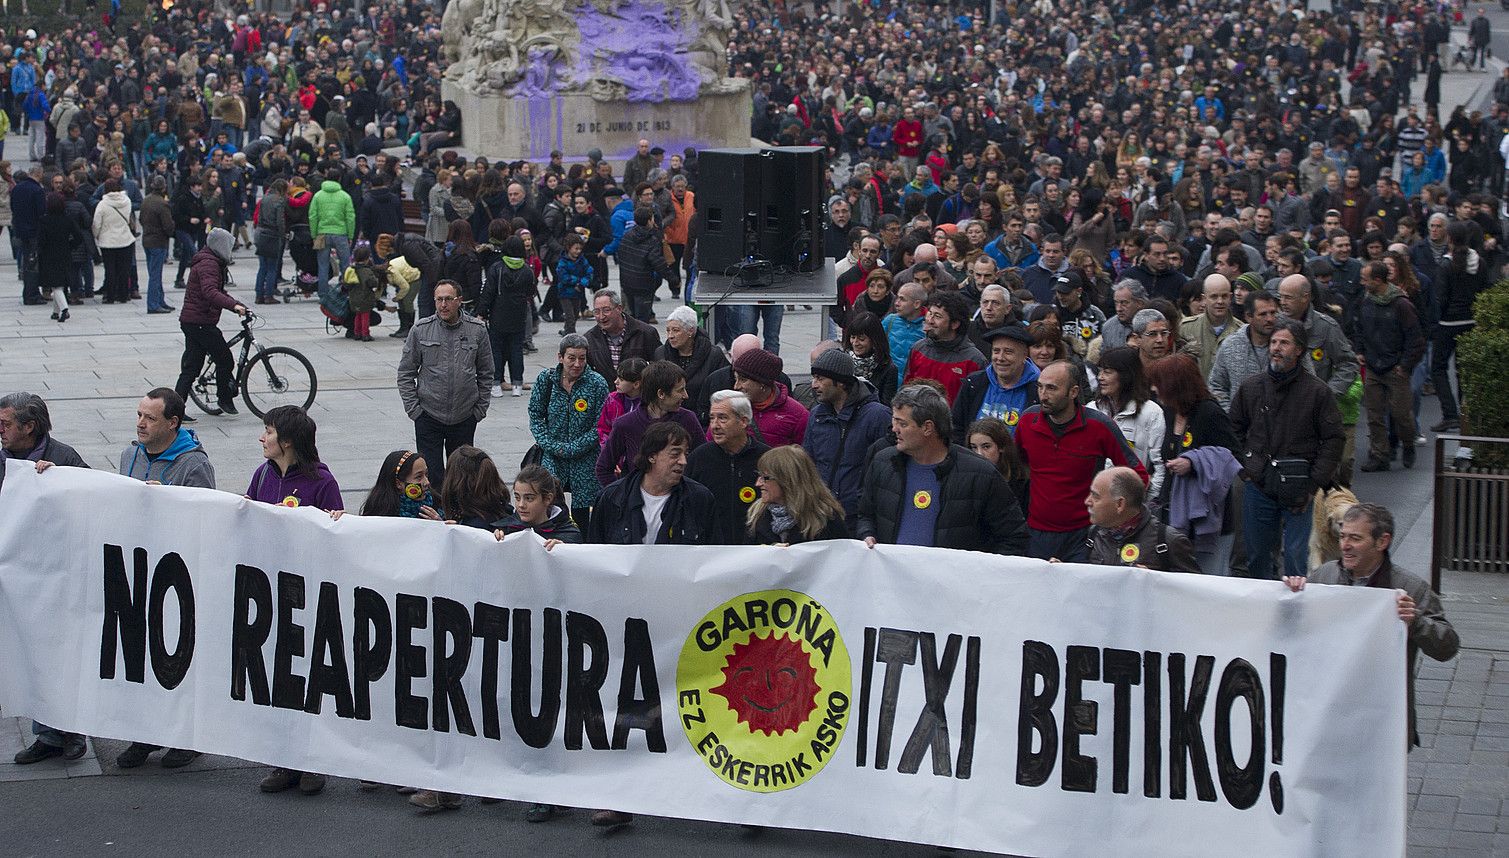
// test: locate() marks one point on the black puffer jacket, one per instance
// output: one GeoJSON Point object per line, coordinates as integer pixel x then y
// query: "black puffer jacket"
{"type": "Point", "coordinates": [505, 298]}
{"type": "Point", "coordinates": [687, 519]}
{"type": "Point", "coordinates": [558, 526]}
{"type": "Point", "coordinates": [976, 509]}
{"type": "Point", "coordinates": [640, 258]}
{"type": "Point", "coordinates": [731, 479]}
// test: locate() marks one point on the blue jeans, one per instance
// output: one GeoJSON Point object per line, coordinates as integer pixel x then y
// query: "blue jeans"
{"type": "Point", "coordinates": [54, 738]}
{"type": "Point", "coordinates": [1263, 519]}
{"type": "Point", "coordinates": [341, 247]}
{"type": "Point", "coordinates": [743, 320]}
{"type": "Point", "coordinates": [157, 257]}
{"type": "Point", "coordinates": [267, 273]}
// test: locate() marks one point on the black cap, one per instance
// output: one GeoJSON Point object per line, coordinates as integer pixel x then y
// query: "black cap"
{"type": "Point", "coordinates": [1015, 332]}
{"type": "Point", "coordinates": [613, 191]}
{"type": "Point", "coordinates": [1068, 281]}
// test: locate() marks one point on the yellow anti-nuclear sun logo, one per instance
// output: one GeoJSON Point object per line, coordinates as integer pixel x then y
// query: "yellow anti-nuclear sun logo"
{"type": "Point", "coordinates": [1130, 552]}
{"type": "Point", "coordinates": [922, 499]}
{"type": "Point", "coordinates": [1012, 417]}
{"type": "Point", "coordinates": [763, 689]}
{"type": "Point", "coordinates": [290, 501]}
{"type": "Point", "coordinates": [580, 405]}
{"type": "Point", "coordinates": [1318, 355]}
{"type": "Point", "coordinates": [747, 494]}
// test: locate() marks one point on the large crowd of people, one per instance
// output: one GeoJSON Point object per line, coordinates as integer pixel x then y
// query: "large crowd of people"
{"type": "Point", "coordinates": [1117, 282]}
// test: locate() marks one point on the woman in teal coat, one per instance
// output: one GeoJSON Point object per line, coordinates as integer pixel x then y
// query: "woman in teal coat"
{"type": "Point", "coordinates": [563, 411]}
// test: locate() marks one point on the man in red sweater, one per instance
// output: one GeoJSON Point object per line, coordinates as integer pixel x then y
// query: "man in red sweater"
{"type": "Point", "coordinates": [1065, 446]}
{"type": "Point", "coordinates": [945, 353]}
{"type": "Point", "coordinates": [907, 135]}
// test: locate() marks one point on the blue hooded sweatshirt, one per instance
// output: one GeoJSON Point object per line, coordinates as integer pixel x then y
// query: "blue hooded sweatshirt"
{"type": "Point", "coordinates": [184, 463]}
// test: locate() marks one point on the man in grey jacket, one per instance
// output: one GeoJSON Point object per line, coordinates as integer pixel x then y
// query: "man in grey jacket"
{"type": "Point", "coordinates": [1367, 532]}
{"type": "Point", "coordinates": [1331, 357]}
{"type": "Point", "coordinates": [164, 452]}
{"type": "Point", "coordinates": [444, 378]}
{"type": "Point", "coordinates": [1244, 353]}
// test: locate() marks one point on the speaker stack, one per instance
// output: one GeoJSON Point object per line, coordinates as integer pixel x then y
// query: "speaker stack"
{"type": "Point", "coordinates": [762, 210]}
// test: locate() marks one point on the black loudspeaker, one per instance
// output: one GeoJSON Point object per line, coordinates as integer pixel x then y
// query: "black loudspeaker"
{"type": "Point", "coordinates": [791, 231]}
{"type": "Point", "coordinates": [729, 193]}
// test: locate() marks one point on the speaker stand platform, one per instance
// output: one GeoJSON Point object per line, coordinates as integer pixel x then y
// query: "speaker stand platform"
{"type": "Point", "coordinates": [819, 288]}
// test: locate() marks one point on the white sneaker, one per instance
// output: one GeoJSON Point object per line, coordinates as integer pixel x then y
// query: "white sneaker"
{"type": "Point", "coordinates": [497, 393]}
{"type": "Point", "coordinates": [518, 390]}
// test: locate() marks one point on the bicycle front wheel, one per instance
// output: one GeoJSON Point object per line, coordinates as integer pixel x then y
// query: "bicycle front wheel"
{"type": "Point", "coordinates": [278, 376]}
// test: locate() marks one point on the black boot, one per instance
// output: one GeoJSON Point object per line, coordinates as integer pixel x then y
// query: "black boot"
{"type": "Point", "coordinates": [405, 321]}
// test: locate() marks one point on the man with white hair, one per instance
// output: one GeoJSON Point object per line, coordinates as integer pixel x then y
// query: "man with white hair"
{"type": "Point", "coordinates": [1151, 336]}
{"type": "Point", "coordinates": [1129, 298]}
{"type": "Point", "coordinates": [728, 465]}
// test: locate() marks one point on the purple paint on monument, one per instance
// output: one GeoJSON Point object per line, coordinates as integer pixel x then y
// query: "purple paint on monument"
{"type": "Point", "coordinates": [538, 88]}
{"type": "Point", "coordinates": [641, 45]}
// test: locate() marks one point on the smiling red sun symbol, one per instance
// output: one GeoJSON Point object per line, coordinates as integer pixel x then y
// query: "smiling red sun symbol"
{"type": "Point", "coordinates": [770, 684]}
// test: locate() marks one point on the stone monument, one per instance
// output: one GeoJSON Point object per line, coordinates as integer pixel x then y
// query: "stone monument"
{"type": "Point", "coordinates": [535, 75]}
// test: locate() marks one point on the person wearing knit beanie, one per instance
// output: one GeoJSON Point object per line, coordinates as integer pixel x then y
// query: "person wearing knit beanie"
{"type": "Point", "coordinates": [781, 419]}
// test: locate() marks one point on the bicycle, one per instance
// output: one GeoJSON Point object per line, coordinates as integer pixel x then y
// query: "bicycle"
{"type": "Point", "coordinates": [265, 376]}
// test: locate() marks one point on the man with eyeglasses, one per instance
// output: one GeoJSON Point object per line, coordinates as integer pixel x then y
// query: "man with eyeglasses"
{"type": "Point", "coordinates": [444, 378]}
{"type": "Point", "coordinates": [617, 336]}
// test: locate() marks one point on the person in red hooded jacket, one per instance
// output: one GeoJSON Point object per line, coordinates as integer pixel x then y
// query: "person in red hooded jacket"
{"type": "Point", "coordinates": [780, 419]}
{"type": "Point", "coordinates": [907, 135]}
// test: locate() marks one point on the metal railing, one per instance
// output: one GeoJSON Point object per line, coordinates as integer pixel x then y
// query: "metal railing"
{"type": "Point", "coordinates": [1470, 531]}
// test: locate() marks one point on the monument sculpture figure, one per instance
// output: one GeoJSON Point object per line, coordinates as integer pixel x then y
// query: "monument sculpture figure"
{"type": "Point", "coordinates": [535, 75]}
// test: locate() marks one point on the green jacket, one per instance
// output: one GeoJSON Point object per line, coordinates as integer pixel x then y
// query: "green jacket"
{"type": "Point", "coordinates": [331, 211]}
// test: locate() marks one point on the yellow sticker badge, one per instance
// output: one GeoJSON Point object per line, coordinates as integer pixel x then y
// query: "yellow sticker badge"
{"type": "Point", "coordinates": [763, 689]}
{"type": "Point", "coordinates": [1318, 355]}
{"type": "Point", "coordinates": [1012, 417]}
{"type": "Point", "coordinates": [1187, 440]}
{"type": "Point", "coordinates": [747, 494]}
{"type": "Point", "coordinates": [1130, 552]}
{"type": "Point", "coordinates": [922, 500]}
{"type": "Point", "coordinates": [580, 405]}
{"type": "Point", "coordinates": [413, 491]}
{"type": "Point", "coordinates": [290, 501]}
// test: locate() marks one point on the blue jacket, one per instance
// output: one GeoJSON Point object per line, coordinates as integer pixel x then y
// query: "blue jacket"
{"type": "Point", "coordinates": [23, 78]}
{"type": "Point", "coordinates": [1435, 166]}
{"type": "Point", "coordinates": [621, 219]}
{"type": "Point", "coordinates": [573, 277]}
{"type": "Point", "coordinates": [28, 202]}
{"type": "Point", "coordinates": [1027, 259]}
{"type": "Point", "coordinates": [37, 106]}
{"type": "Point", "coordinates": [902, 335]}
{"type": "Point", "coordinates": [184, 463]}
{"type": "Point", "coordinates": [839, 442]}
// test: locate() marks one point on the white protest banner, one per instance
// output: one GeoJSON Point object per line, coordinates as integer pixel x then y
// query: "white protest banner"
{"type": "Point", "coordinates": [912, 694]}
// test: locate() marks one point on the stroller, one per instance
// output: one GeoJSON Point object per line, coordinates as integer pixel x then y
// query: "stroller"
{"type": "Point", "coordinates": [337, 310]}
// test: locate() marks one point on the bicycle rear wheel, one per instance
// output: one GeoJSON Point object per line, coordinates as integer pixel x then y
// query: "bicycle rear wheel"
{"type": "Point", "coordinates": [202, 391]}
{"type": "Point", "coordinates": [278, 376]}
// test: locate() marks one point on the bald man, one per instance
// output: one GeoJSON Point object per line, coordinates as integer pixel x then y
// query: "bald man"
{"type": "Point", "coordinates": [723, 379]}
{"type": "Point", "coordinates": [928, 253]}
{"type": "Point", "coordinates": [1124, 533]}
{"type": "Point", "coordinates": [1208, 330]}
{"type": "Point", "coordinates": [1328, 353]}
